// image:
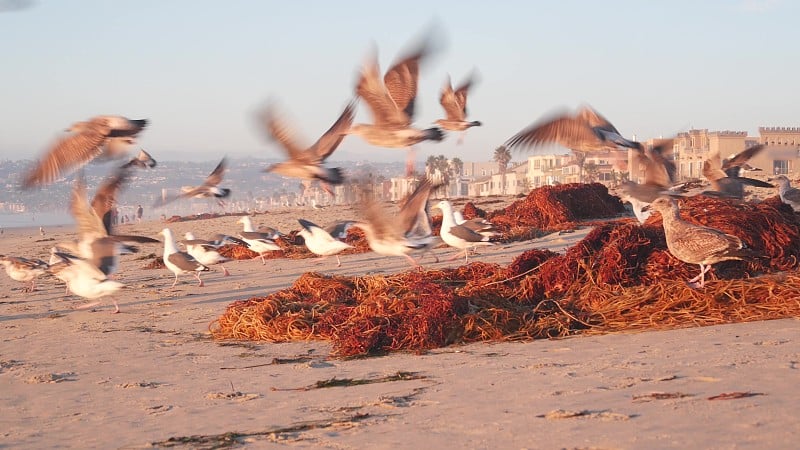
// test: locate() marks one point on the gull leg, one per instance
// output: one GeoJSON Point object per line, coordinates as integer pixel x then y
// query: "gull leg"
{"type": "Point", "coordinates": [412, 261]}
{"type": "Point", "coordinates": [88, 305]}
{"type": "Point", "coordinates": [225, 272]}
{"type": "Point", "coordinates": [116, 307]}
{"type": "Point", "coordinates": [466, 255]}
{"type": "Point", "coordinates": [263, 261]}
{"type": "Point", "coordinates": [338, 261]}
{"type": "Point", "coordinates": [700, 280]}
{"type": "Point", "coordinates": [412, 154]}
{"type": "Point", "coordinates": [176, 281]}
{"type": "Point", "coordinates": [199, 281]}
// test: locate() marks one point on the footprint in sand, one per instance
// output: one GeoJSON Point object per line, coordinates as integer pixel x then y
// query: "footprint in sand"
{"type": "Point", "coordinates": [604, 415]}
{"type": "Point", "coordinates": [51, 378]}
{"type": "Point", "coordinates": [9, 365]}
{"type": "Point", "coordinates": [237, 396]}
{"type": "Point", "coordinates": [140, 384]}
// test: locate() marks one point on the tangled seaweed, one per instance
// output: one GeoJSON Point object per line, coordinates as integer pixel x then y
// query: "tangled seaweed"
{"type": "Point", "coordinates": [619, 277]}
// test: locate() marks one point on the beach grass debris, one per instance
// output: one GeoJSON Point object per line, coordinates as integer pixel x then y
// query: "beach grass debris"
{"type": "Point", "coordinates": [660, 396]}
{"type": "Point", "coordinates": [735, 395]}
{"type": "Point", "coordinates": [346, 382]}
{"type": "Point", "coordinates": [233, 438]}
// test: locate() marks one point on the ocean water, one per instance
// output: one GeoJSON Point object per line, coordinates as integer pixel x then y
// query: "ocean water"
{"type": "Point", "coordinates": [16, 220]}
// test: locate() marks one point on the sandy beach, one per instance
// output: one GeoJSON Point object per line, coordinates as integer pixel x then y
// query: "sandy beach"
{"type": "Point", "coordinates": [152, 376]}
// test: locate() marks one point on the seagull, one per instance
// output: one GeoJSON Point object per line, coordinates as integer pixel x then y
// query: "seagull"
{"type": "Point", "coordinates": [586, 131]}
{"type": "Point", "coordinates": [724, 175]}
{"type": "Point", "coordinates": [319, 242]}
{"type": "Point", "coordinates": [102, 137]}
{"type": "Point", "coordinates": [257, 241]}
{"type": "Point", "coordinates": [206, 251]}
{"type": "Point", "coordinates": [84, 279]}
{"type": "Point", "coordinates": [659, 178]}
{"type": "Point", "coordinates": [477, 224]}
{"type": "Point", "coordinates": [415, 219]}
{"type": "Point", "coordinates": [390, 236]}
{"type": "Point", "coordinates": [24, 269]}
{"type": "Point", "coordinates": [458, 236]}
{"type": "Point", "coordinates": [391, 102]}
{"type": "Point", "coordinates": [306, 164]}
{"type": "Point", "coordinates": [208, 189]}
{"type": "Point", "coordinates": [338, 230]}
{"type": "Point", "coordinates": [788, 194]}
{"type": "Point", "coordinates": [180, 262]}
{"type": "Point", "coordinates": [696, 244]}
{"type": "Point", "coordinates": [96, 240]}
{"type": "Point", "coordinates": [143, 161]}
{"type": "Point", "coordinates": [455, 108]}
{"type": "Point", "coordinates": [41, 231]}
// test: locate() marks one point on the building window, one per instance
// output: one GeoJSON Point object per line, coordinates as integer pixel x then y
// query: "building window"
{"type": "Point", "coordinates": [780, 167]}
{"type": "Point", "coordinates": [536, 164]}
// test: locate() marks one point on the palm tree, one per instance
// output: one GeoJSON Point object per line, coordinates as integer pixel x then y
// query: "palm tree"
{"type": "Point", "coordinates": [580, 159]}
{"type": "Point", "coordinates": [502, 156]}
{"type": "Point", "coordinates": [592, 171]}
{"type": "Point", "coordinates": [457, 165]}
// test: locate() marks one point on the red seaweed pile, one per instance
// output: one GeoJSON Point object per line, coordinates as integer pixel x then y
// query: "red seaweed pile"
{"type": "Point", "coordinates": [619, 277]}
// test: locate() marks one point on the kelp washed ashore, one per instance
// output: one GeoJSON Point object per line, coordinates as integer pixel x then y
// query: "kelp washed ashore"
{"type": "Point", "coordinates": [619, 277]}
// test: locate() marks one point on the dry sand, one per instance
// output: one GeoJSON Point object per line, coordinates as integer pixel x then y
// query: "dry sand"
{"type": "Point", "coordinates": [92, 379]}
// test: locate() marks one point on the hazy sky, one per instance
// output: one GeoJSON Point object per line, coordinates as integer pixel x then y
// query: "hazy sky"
{"type": "Point", "coordinates": [199, 69]}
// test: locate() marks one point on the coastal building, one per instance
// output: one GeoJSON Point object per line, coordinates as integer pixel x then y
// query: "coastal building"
{"type": "Point", "coordinates": [781, 155]}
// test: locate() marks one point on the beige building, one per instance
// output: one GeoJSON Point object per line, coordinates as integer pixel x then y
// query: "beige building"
{"type": "Point", "coordinates": [516, 182]}
{"type": "Point", "coordinates": [781, 155]}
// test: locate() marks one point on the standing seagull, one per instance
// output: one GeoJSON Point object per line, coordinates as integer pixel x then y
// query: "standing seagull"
{"type": "Point", "coordinates": [696, 244]}
{"type": "Point", "coordinates": [455, 108]}
{"type": "Point", "coordinates": [391, 102]}
{"type": "Point", "coordinates": [724, 174]}
{"type": "Point", "coordinates": [209, 188]}
{"type": "Point", "coordinates": [788, 194]}
{"type": "Point", "coordinates": [458, 236]}
{"type": "Point", "coordinates": [319, 242]}
{"type": "Point", "coordinates": [24, 270]}
{"type": "Point", "coordinates": [306, 164]}
{"type": "Point", "coordinates": [256, 240]}
{"type": "Point", "coordinates": [206, 251]}
{"type": "Point", "coordinates": [102, 137]}
{"type": "Point", "coordinates": [180, 262]}
{"type": "Point", "coordinates": [586, 131]}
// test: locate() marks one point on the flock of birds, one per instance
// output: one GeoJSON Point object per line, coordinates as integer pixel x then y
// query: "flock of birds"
{"type": "Point", "coordinates": [87, 265]}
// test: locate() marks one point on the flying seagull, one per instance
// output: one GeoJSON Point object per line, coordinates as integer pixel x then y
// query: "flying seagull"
{"type": "Point", "coordinates": [391, 102]}
{"type": "Point", "coordinates": [455, 108]}
{"type": "Point", "coordinates": [209, 188]}
{"type": "Point", "coordinates": [724, 175]}
{"type": "Point", "coordinates": [393, 235]}
{"type": "Point", "coordinates": [101, 138]}
{"type": "Point", "coordinates": [659, 178]}
{"type": "Point", "coordinates": [586, 131]}
{"type": "Point", "coordinates": [306, 164]}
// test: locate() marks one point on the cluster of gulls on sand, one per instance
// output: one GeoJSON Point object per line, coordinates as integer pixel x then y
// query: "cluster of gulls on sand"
{"type": "Point", "coordinates": [87, 265]}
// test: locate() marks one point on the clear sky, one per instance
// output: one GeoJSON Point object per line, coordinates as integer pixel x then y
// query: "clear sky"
{"type": "Point", "coordinates": [199, 69]}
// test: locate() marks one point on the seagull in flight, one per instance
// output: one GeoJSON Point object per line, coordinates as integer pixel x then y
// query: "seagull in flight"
{"type": "Point", "coordinates": [99, 138]}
